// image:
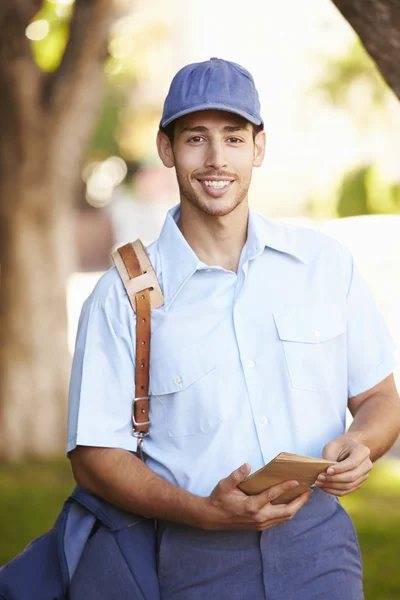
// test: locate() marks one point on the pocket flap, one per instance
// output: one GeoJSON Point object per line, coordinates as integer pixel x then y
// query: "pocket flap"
{"type": "Point", "coordinates": [177, 372]}
{"type": "Point", "coordinates": [311, 325]}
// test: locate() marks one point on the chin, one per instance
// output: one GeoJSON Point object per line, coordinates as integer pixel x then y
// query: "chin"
{"type": "Point", "coordinates": [217, 207]}
{"type": "Point", "coordinates": [219, 211]}
{"type": "Point", "coordinates": [220, 208]}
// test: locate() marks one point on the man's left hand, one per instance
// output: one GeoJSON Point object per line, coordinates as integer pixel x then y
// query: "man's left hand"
{"type": "Point", "coordinates": [351, 470]}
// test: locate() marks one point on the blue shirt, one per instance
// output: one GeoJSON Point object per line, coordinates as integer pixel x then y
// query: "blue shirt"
{"type": "Point", "coordinates": [243, 365]}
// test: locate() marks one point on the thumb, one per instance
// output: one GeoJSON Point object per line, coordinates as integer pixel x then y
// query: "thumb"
{"type": "Point", "coordinates": [236, 477]}
{"type": "Point", "coordinates": [332, 450]}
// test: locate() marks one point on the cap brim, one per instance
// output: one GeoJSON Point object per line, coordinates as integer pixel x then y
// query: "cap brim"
{"type": "Point", "coordinates": [213, 106]}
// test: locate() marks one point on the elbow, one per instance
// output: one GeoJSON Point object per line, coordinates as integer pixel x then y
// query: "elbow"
{"type": "Point", "coordinates": [397, 414]}
{"type": "Point", "coordinates": [80, 468]}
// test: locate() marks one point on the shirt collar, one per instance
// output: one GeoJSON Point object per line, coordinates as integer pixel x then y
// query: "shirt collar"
{"type": "Point", "coordinates": [265, 233]}
{"type": "Point", "coordinates": [179, 262]}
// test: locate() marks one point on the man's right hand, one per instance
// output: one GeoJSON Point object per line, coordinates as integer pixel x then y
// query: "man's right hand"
{"type": "Point", "coordinates": [227, 507]}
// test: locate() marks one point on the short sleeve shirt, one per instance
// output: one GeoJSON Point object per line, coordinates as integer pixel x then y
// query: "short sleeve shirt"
{"type": "Point", "coordinates": [243, 365]}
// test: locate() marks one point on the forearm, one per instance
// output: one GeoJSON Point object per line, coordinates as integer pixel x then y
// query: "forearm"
{"type": "Point", "coordinates": [125, 481]}
{"type": "Point", "coordinates": [376, 423]}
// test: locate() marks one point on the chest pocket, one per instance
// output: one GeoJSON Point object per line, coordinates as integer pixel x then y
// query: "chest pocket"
{"type": "Point", "coordinates": [313, 341]}
{"type": "Point", "coordinates": [183, 384]}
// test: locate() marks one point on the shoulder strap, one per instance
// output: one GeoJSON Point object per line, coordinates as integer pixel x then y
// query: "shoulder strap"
{"type": "Point", "coordinates": [143, 289]}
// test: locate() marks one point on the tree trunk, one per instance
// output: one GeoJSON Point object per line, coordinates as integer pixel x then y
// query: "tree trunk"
{"type": "Point", "coordinates": [34, 360]}
{"type": "Point", "coordinates": [45, 124]}
{"type": "Point", "coordinates": [377, 22]}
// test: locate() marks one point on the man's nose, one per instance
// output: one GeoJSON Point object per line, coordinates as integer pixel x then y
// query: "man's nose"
{"type": "Point", "coordinates": [215, 157]}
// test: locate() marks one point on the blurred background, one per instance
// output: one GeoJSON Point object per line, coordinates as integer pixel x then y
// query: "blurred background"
{"type": "Point", "coordinates": [82, 89]}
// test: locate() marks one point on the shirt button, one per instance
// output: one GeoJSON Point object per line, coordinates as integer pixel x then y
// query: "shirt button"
{"type": "Point", "coordinates": [317, 333]}
{"type": "Point", "coordinates": [264, 420]}
{"type": "Point", "coordinates": [251, 364]}
{"type": "Point", "coordinates": [178, 380]}
{"type": "Point", "coordinates": [209, 270]}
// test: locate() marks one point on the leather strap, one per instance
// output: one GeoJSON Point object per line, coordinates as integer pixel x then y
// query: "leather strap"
{"type": "Point", "coordinates": [144, 293]}
{"type": "Point", "coordinates": [146, 278]}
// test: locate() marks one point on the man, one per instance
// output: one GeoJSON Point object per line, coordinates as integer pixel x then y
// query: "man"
{"type": "Point", "coordinates": [267, 334]}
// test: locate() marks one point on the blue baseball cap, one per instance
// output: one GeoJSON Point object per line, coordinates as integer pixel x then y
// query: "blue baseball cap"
{"type": "Point", "coordinates": [214, 84]}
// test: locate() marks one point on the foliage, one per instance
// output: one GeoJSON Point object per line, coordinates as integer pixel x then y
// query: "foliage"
{"type": "Point", "coordinates": [32, 494]}
{"type": "Point", "coordinates": [352, 72]}
{"type": "Point", "coordinates": [104, 142]}
{"type": "Point", "coordinates": [48, 51]}
{"type": "Point", "coordinates": [352, 199]}
{"type": "Point", "coordinates": [376, 515]}
{"type": "Point", "coordinates": [130, 46]}
{"type": "Point", "coordinates": [364, 191]}
{"type": "Point", "coordinates": [353, 84]}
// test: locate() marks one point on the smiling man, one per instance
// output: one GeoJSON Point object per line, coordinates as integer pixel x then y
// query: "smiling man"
{"type": "Point", "coordinates": [267, 334]}
{"type": "Point", "coordinates": [236, 147]}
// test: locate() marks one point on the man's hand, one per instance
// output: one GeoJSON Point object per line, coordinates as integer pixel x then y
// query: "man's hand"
{"type": "Point", "coordinates": [229, 508]}
{"type": "Point", "coordinates": [351, 470]}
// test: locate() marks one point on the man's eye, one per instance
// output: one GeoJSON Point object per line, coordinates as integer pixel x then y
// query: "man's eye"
{"type": "Point", "coordinates": [195, 139]}
{"type": "Point", "coordinates": [234, 140]}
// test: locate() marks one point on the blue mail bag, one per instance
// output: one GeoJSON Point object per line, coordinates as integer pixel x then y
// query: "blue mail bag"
{"type": "Point", "coordinates": [88, 532]}
{"type": "Point", "coordinates": [96, 551]}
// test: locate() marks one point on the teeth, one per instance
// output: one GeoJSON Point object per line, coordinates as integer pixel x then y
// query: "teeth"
{"type": "Point", "coordinates": [216, 184]}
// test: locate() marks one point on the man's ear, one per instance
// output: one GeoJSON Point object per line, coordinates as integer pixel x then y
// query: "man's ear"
{"type": "Point", "coordinates": [259, 149]}
{"type": "Point", "coordinates": [164, 148]}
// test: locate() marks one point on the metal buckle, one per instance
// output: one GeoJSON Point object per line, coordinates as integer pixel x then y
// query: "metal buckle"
{"type": "Point", "coordinates": [140, 447]}
{"type": "Point", "coordinates": [135, 423]}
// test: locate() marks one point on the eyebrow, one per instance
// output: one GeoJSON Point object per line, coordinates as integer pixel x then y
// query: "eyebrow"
{"type": "Point", "coordinates": [203, 129]}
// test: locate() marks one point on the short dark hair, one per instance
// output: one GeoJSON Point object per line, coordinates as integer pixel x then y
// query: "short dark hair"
{"type": "Point", "coordinates": [169, 130]}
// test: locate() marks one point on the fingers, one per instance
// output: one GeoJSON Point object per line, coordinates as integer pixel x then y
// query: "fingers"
{"type": "Point", "coordinates": [356, 456]}
{"type": "Point", "coordinates": [348, 476]}
{"type": "Point", "coordinates": [343, 490]}
{"type": "Point", "coordinates": [345, 483]}
{"type": "Point", "coordinates": [283, 512]}
{"type": "Point", "coordinates": [351, 470]}
{"type": "Point", "coordinates": [233, 509]}
{"type": "Point", "coordinates": [344, 486]}
{"type": "Point", "coordinates": [298, 502]}
{"type": "Point", "coordinates": [260, 500]}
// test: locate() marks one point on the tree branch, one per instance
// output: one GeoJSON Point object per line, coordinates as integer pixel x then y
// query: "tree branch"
{"type": "Point", "coordinates": [20, 78]}
{"type": "Point", "coordinates": [17, 66]}
{"type": "Point", "coordinates": [83, 60]}
{"type": "Point", "coordinates": [73, 92]}
{"type": "Point", "coordinates": [24, 10]}
{"type": "Point", "coordinates": [377, 22]}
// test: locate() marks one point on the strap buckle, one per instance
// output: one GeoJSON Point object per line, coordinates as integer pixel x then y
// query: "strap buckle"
{"type": "Point", "coordinates": [134, 422]}
{"type": "Point", "coordinates": [140, 437]}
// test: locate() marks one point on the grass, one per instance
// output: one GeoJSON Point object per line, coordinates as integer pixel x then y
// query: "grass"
{"type": "Point", "coordinates": [31, 496]}
{"type": "Point", "coordinates": [375, 510]}
{"type": "Point", "coordinates": [32, 493]}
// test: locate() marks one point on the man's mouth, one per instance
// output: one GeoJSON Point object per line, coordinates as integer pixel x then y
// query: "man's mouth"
{"type": "Point", "coordinates": [215, 187]}
{"type": "Point", "coordinates": [216, 184]}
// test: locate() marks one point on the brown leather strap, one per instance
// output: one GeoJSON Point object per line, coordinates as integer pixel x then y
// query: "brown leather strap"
{"type": "Point", "coordinates": [147, 280]}
{"type": "Point", "coordinates": [141, 403]}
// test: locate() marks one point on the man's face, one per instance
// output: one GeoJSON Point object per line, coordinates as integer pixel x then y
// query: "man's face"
{"type": "Point", "coordinates": [214, 153]}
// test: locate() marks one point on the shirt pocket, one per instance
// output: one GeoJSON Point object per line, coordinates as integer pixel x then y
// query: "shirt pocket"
{"type": "Point", "coordinates": [313, 340]}
{"type": "Point", "coordinates": [183, 383]}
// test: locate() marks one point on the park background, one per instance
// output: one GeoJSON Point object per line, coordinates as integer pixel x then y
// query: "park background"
{"type": "Point", "coordinates": [81, 91]}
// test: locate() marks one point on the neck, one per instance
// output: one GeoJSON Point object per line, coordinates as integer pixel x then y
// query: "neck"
{"type": "Point", "coordinates": [215, 240]}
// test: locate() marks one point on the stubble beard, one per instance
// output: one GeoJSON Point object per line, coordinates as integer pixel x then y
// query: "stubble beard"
{"type": "Point", "coordinates": [214, 207]}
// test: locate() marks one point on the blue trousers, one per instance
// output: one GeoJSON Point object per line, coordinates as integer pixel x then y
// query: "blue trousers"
{"type": "Point", "coordinates": [313, 556]}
